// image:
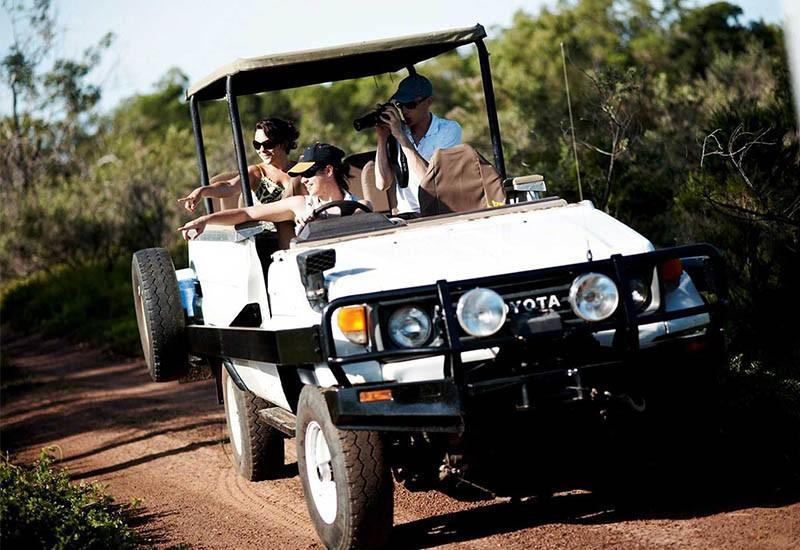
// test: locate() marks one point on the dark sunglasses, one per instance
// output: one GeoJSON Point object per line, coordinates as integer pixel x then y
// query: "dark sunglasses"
{"type": "Point", "coordinates": [257, 145]}
{"type": "Point", "coordinates": [411, 104]}
{"type": "Point", "coordinates": [310, 173]}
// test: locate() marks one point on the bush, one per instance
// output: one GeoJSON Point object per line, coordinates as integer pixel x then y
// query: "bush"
{"type": "Point", "coordinates": [91, 302]}
{"type": "Point", "coordinates": [42, 509]}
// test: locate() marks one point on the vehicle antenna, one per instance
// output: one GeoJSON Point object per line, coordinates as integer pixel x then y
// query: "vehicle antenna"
{"type": "Point", "coordinates": [589, 256]}
{"type": "Point", "coordinates": [571, 125]}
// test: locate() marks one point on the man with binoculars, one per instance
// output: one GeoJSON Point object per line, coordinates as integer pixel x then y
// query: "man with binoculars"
{"type": "Point", "coordinates": [418, 133]}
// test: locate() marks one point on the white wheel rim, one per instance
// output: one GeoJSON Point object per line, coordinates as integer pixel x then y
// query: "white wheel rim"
{"type": "Point", "coordinates": [234, 417]}
{"type": "Point", "coordinates": [319, 471]}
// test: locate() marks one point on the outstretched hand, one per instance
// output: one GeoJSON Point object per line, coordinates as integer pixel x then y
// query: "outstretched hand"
{"type": "Point", "coordinates": [191, 200]}
{"type": "Point", "coordinates": [192, 229]}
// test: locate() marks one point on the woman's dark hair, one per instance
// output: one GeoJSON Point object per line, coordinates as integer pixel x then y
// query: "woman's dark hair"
{"type": "Point", "coordinates": [341, 172]}
{"type": "Point", "coordinates": [280, 131]}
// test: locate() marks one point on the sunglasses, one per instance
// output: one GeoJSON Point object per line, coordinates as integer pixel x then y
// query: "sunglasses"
{"type": "Point", "coordinates": [310, 173]}
{"type": "Point", "coordinates": [257, 145]}
{"type": "Point", "coordinates": [411, 104]}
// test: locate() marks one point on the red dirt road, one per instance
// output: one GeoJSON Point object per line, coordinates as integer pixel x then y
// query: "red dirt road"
{"type": "Point", "coordinates": [166, 445]}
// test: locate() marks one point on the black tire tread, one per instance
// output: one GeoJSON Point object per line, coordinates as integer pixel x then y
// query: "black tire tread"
{"type": "Point", "coordinates": [369, 475]}
{"type": "Point", "coordinates": [168, 358]}
{"type": "Point", "coordinates": [371, 489]}
{"type": "Point", "coordinates": [267, 443]}
{"type": "Point", "coordinates": [263, 453]}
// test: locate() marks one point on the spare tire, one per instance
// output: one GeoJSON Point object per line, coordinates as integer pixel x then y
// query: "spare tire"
{"type": "Point", "coordinates": [159, 314]}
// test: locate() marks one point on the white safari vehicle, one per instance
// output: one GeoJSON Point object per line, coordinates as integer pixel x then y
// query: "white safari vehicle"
{"type": "Point", "coordinates": [463, 348]}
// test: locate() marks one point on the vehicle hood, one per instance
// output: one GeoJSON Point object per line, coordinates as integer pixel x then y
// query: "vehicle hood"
{"type": "Point", "coordinates": [458, 249]}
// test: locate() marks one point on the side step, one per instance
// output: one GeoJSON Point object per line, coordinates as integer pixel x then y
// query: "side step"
{"type": "Point", "coordinates": [280, 419]}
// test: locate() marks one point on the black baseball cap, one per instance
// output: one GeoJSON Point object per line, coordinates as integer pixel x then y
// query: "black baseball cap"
{"type": "Point", "coordinates": [317, 155]}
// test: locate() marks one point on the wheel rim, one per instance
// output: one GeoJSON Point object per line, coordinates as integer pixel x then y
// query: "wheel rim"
{"type": "Point", "coordinates": [319, 472]}
{"type": "Point", "coordinates": [234, 417]}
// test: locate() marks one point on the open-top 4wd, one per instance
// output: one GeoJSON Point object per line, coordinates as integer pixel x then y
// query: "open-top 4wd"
{"type": "Point", "coordinates": [460, 348]}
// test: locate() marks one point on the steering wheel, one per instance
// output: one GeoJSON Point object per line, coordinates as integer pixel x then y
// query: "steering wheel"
{"type": "Point", "coordinates": [347, 208]}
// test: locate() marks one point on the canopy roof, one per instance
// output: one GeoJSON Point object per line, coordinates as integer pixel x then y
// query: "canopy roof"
{"type": "Point", "coordinates": [291, 70]}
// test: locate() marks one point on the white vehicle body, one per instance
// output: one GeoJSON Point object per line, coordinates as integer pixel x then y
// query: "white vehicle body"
{"type": "Point", "coordinates": [483, 244]}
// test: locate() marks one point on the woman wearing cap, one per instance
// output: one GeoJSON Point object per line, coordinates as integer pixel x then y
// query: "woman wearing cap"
{"type": "Point", "coordinates": [273, 139]}
{"type": "Point", "coordinates": [323, 175]}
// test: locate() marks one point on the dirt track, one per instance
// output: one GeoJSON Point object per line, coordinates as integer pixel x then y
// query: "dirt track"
{"type": "Point", "coordinates": [166, 444]}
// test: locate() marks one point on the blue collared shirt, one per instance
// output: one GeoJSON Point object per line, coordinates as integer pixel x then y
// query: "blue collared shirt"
{"type": "Point", "coordinates": [441, 134]}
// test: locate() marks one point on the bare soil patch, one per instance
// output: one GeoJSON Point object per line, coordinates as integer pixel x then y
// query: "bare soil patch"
{"type": "Point", "coordinates": [166, 444]}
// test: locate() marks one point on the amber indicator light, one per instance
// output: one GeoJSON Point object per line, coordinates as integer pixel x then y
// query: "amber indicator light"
{"type": "Point", "coordinates": [353, 323]}
{"type": "Point", "coordinates": [375, 395]}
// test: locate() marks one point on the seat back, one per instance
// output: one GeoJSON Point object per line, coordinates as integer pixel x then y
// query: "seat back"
{"type": "Point", "coordinates": [354, 180]}
{"type": "Point", "coordinates": [362, 182]}
{"type": "Point", "coordinates": [459, 179]}
{"type": "Point", "coordinates": [382, 200]}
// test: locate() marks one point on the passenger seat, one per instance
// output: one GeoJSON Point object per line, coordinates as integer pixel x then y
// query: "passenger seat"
{"type": "Point", "coordinates": [459, 179]}
{"type": "Point", "coordinates": [382, 201]}
{"type": "Point", "coordinates": [362, 182]}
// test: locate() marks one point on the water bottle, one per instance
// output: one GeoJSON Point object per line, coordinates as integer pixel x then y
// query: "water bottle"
{"type": "Point", "coordinates": [186, 286]}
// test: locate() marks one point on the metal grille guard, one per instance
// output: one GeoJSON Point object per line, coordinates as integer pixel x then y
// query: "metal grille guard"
{"type": "Point", "coordinates": [626, 319]}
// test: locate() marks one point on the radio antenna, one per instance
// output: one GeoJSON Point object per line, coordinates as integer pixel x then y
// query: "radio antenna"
{"type": "Point", "coordinates": [571, 124]}
{"type": "Point", "coordinates": [575, 152]}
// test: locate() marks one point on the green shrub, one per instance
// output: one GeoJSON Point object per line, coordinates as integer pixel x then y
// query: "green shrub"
{"type": "Point", "coordinates": [40, 508]}
{"type": "Point", "coordinates": [91, 302]}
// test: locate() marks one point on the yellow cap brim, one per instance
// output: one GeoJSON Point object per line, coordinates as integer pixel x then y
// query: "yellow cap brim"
{"type": "Point", "coordinates": [300, 167]}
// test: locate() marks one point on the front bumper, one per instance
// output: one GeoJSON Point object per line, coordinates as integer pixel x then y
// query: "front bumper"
{"type": "Point", "coordinates": [665, 378]}
{"type": "Point", "coordinates": [534, 371]}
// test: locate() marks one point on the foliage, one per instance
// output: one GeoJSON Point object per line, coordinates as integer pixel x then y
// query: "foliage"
{"type": "Point", "coordinates": [90, 302]}
{"type": "Point", "coordinates": [760, 417]}
{"type": "Point", "coordinates": [683, 118]}
{"type": "Point", "coordinates": [52, 110]}
{"type": "Point", "coordinates": [42, 509]}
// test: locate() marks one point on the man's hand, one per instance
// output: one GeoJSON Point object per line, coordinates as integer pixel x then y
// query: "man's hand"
{"type": "Point", "coordinates": [191, 200]}
{"type": "Point", "coordinates": [193, 229]}
{"type": "Point", "coordinates": [395, 124]}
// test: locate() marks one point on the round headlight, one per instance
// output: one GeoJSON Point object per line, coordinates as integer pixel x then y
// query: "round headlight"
{"type": "Point", "coordinates": [409, 327]}
{"type": "Point", "coordinates": [481, 312]}
{"type": "Point", "coordinates": [593, 296]}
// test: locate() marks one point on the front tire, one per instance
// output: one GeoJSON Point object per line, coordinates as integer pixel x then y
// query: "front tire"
{"type": "Point", "coordinates": [345, 477]}
{"type": "Point", "coordinates": [159, 314]}
{"type": "Point", "coordinates": [258, 450]}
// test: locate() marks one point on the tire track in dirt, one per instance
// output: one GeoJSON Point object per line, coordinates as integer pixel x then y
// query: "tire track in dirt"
{"type": "Point", "coordinates": [165, 444]}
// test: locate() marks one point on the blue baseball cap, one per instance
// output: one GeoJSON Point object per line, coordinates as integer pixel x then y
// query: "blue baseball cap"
{"type": "Point", "coordinates": [413, 87]}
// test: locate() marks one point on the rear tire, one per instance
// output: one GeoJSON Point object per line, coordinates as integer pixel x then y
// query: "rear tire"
{"type": "Point", "coordinates": [159, 314]}
{"type": "Point", "coordinates": [345, 477]}
{"type": "Point", "coordinates": [258, 450]}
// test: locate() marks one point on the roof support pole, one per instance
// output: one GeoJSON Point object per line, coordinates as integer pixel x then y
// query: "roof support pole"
{"type": "Point", "coordinates": [491, 108]}
{"type": "Point", "coordinates": [202, 165]}
{"type": "Point", "coordinates": [238, 140]}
